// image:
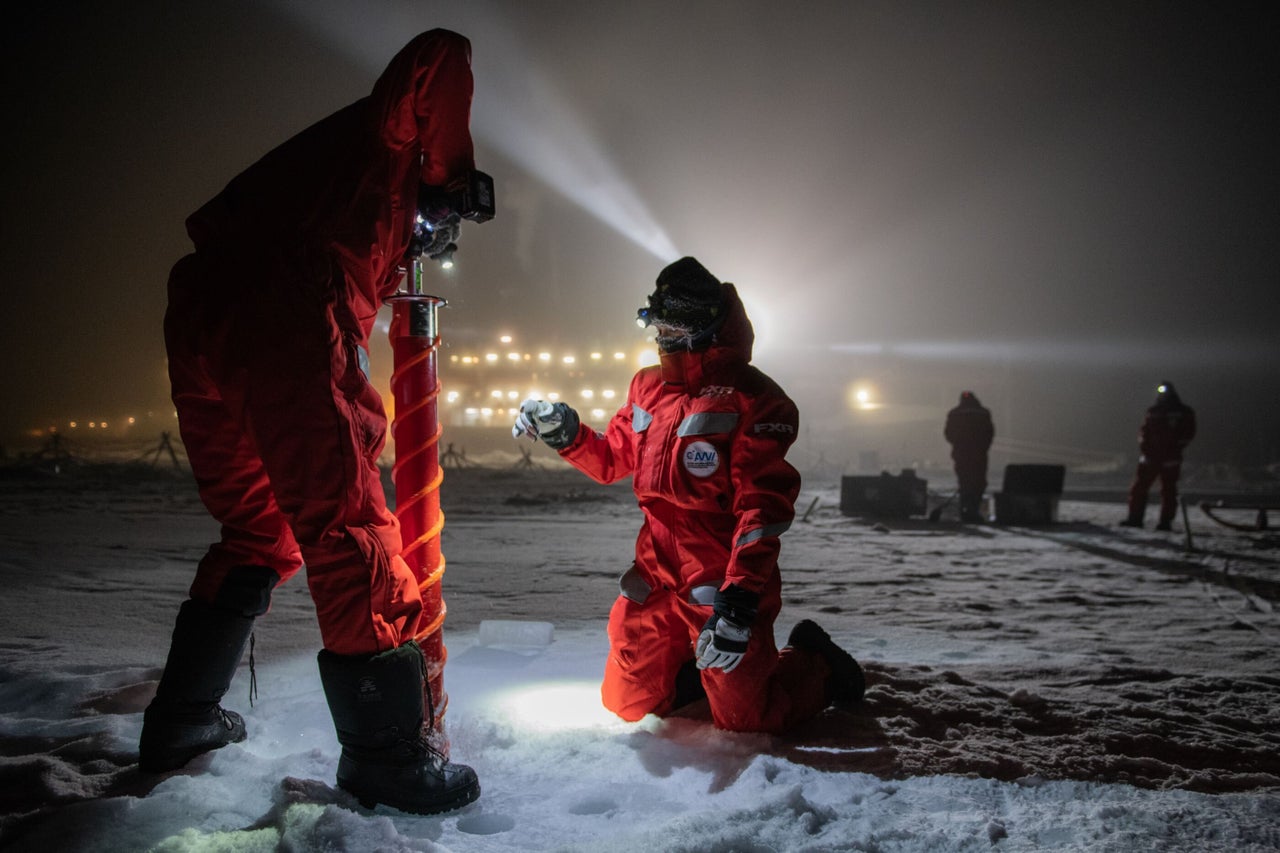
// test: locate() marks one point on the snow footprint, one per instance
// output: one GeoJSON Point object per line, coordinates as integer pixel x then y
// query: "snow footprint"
{"type": "Point", "coordinates": [486, 824]}
{"type": "Point", "coordinates": [593, 805]}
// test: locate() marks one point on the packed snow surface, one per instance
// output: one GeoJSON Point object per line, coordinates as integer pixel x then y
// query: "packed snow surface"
{"type": "Point", "coordinates": [1076, 686]}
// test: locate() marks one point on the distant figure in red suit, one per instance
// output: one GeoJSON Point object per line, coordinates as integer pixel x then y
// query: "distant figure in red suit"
{"type": "Point", "coordinates": [969, 431]}
{"type": "Point", "coordinates": [1167, 429]}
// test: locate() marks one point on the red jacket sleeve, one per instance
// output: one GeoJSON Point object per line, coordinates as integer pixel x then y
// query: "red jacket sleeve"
{"type": "Point", "coordinates": [609, 456]}
{"type": "Point", "coordinates": [765, 488]}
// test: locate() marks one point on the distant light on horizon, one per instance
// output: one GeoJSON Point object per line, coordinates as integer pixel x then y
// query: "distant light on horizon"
{"type": "Point", "coordinates": [863, 397]}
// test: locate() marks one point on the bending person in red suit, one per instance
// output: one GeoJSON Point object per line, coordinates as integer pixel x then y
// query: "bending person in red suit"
{"type": "Point", "coordinates": [267, 332]}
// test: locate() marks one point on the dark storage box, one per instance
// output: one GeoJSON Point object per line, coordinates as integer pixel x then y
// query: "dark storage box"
{"type": "Point", "coordinates": [1030, 494]}
{"type": "Point", "coordinates": [1034, 479]}
{"type": "Point", "coordinates": [885, 495]}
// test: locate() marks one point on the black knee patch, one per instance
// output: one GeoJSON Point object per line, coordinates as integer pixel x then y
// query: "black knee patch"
{"type": "Point", "coordinates": [247, 590]}
{"type": "Point", "coordinates": [688, 687]}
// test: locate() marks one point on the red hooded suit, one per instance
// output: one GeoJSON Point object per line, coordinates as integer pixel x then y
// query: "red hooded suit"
{"type": "Point", "coordinates": [1166, 430]}
{"type": "Point", "coordinates": [704, 437]}
{"type": "Point", "coordinates": [267, 332]}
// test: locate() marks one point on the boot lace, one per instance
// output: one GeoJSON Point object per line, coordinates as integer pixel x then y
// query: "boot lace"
{"type": "Point", "coordinates": [228, 722]}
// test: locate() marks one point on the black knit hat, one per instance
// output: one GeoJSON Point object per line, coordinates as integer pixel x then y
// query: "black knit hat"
{"type": "Point", "coordinates": [688, 298]}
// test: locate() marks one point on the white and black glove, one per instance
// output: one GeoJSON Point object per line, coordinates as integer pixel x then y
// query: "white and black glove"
{"type": "Point", "coordinates": [555, 423]}
{"type": "Point", "coordinates": [724, 638]}
{"type": "Point", "coordinates": [436, 239]}
{"type": "Point", "coordinates": [442, 239]}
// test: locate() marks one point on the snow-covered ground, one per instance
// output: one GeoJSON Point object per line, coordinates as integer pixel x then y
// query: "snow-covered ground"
{"type": "Point", "coordinates": [1073, 687]}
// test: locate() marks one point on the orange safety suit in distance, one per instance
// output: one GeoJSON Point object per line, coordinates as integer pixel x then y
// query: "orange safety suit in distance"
{"type": "Point", "coordinates": [267, 333]}
{"type": "Point", "coordinates": [704, 437]}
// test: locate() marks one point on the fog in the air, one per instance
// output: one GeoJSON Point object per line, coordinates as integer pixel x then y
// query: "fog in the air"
{"type": "Point", "coordinates": [1054, 207]}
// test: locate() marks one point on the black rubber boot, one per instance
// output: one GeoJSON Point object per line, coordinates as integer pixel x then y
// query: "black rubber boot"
{"type": "Point", "coordinates": [846, 683]}
{"type": "Point", "coordinates": [185, 719]}
{"type": "Point", "coordinates": [387, 757]}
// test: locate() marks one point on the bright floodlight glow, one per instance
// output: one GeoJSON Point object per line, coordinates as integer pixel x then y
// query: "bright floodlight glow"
{"type": "Point", "coordinates": [598, 414]}
{"type": "Point", "coordinates": [568, 359]}
{"type": "Point", "coordinates": [647, 358]}
{"type": "Point", "coordinates": [506, 339]}
{"type": "Point", "coordinates": [544, 356]}
{"type": "Point", "coordinates": [518, 111]}
{"type": "Point", "coordinates": [555, 706]}
{"type": "Point", "coordinates": [863, 397]}
{"type": "Point", "coordinates": [491, 357]}
{"type": "Point", "coordinates": [764, 323]}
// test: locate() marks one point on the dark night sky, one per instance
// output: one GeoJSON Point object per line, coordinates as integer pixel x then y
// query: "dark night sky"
{"type": "Point", "coordinates": [1055, 205]}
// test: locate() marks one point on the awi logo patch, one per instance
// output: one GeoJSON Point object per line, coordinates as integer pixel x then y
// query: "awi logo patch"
{"type": "Point", "coordinates": [701, 459]}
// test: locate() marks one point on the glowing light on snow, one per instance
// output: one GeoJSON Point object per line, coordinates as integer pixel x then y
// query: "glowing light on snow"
{"type": "Point", "coordinates": [555, 706]}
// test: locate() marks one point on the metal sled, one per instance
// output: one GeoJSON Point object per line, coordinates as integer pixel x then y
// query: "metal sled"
{"type": "Point", "coordinates": [1260, 504]}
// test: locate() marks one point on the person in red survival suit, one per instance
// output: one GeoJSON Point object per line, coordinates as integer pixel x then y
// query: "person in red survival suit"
{"type": "Point", "coordinates": [1166, 430]}
{"type": "Point", "coordinates": [970, 432]}
{"type": "Point", "coordinates": [267, 331]}
{"type": "Point", "coordinates": [704, 436]}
